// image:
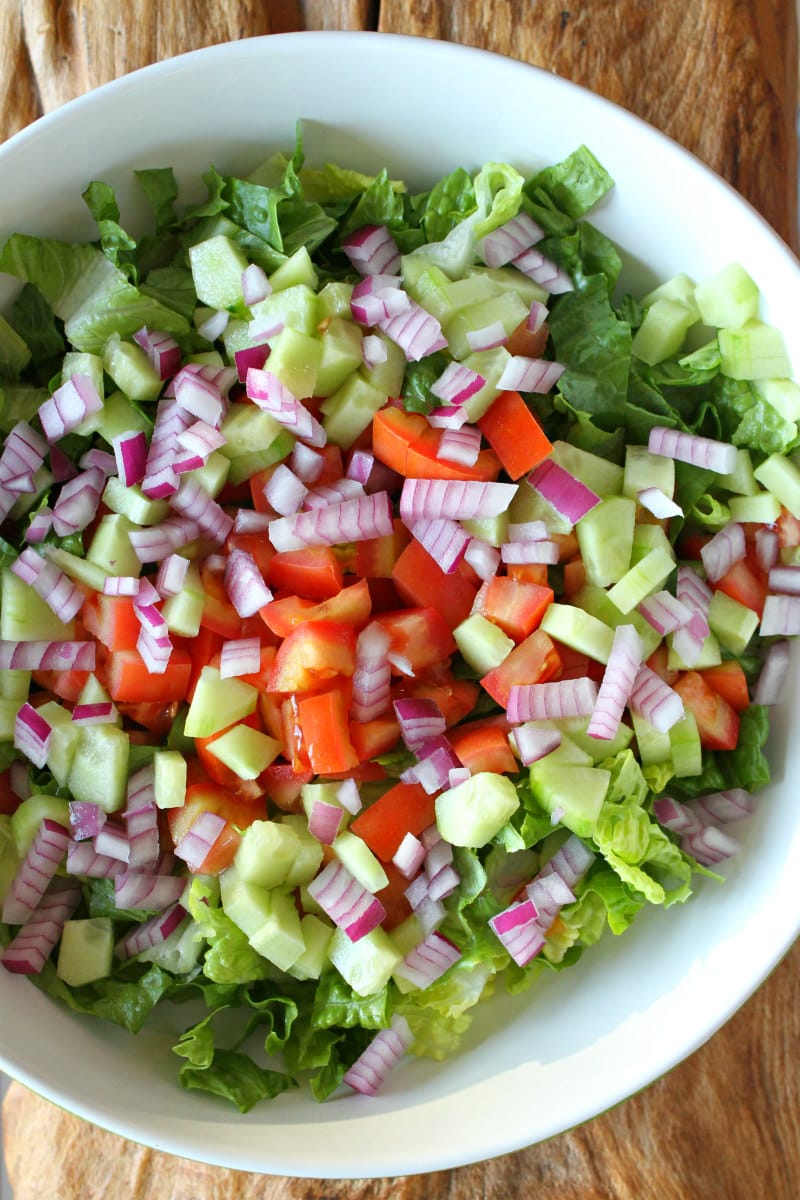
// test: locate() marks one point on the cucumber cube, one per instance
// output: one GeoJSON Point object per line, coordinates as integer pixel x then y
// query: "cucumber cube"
{"type": "Point", "coordinates": [63, 740]}
{"type": "Point", "coordinates": [86, 952]}
{"type": "Point", "coordinates": [296, 306]}
{"type": "Point", "coordinates": [529, 505]}
{"type": "Point", "coordinates": [246, 751]}
{"type": "Point", "coordinates": [316, 940]}
{"type": "Point", "coordinates": [79, 569]}
{"type": "Point", "coordinates": [111, 548]}
{"type": "Point", "coordinates": [99, 770]}
{"type": "Point", "coordinates": [340, 355]}
{"type": "Point", "coordinates": [493, 530]}
{"type": "Point", "coordinates": [246, 428]}
{"type": "Point", "coordinates": [741, 480]}
{"type": "Point", "coordinates": [482, 644]}
{"type": "Point", "coordinates": [490, 364]}
{"type": "Point", "coordinates": [729, 298]}
{"type": "Point", "coordinates": [680, 288]}
{"type": "Point", "coordinates": [169, 778]}
{"type": "Point", "coordinates": [506, 307]}
{"type": "Point", "coordinates": [776, 473]}
{"type": "Point", "coordinates": [654, 747]}
{"type": "Point", "coordinates": [131, 369]}
{"type": "Point", "coordinates": [217, 265]}
{"type": "Point", "coordinates": [267, 853]}
{"type": "Point", "coordinates": [217, 703]}
{"type": "Point", "coordinates": [354, 853]}
{"type": "Point", "coordinates": [247, 904]}
{"type": "Point", "coordinates": [366, 965]}
{"type": "Point", "coordinates": [388, 376]}
{"type": "Point", "coordinates": [576, 792]}
{"type": "Point", "coordinates": [754, 351]}
{"type": "Point", "coordinates": [280, 938]}
{"type": "Point", "coordinates": [644, 470]}
{"type": "Point", "coordinates": [294, 360]}
{"type": "Point", "coordinates": [245, 465]}
{"type": "Point", "coordinates": [509, 278]}
{"type": "Point", "coordinates": [308, 857]}
{"type": "Point", "coordinates": [710, 656]}
{"type": "Point", "coordinates": [732, 623]}
{"type": "Point", "coordinates": [685, 747]}
{"type": "Point", "coordinates": [29, 815]}
{"type": "Point", "coordinates": [24, 616]}
{"type": "Point", "coordinates": [334, 300]}
{"type": "Point", "coordinates": [119, 416]}
{"type": "Point", "coordinates": [575, 728]}
{"type": "Point", "coordinates": [15, 684]}
{"type": "Point", "coordinates": [76, 362]}
{"type": "Point", "coordinates": [298, 269]}
{"type": "Point", "coordinates": [649, 574]}
{"type": "Point", "coordinates": [603, 477]}
{"type": "Point", "coordinates": [183, 612]}
{"type": "Point", "coordinates": [130, 501]}
{"type": "Point", "coordinates": [595, 600]}
{"type": "Point", "coordinates": [605, 537]}
{"type": "Point", "coordinates": [471, 813]}
{"type": "Point", "coordinates": [578, 629]}
{"type": "Point", "coordinates": [349, 411]}
{"type": "Point", "coordinates": [663, 331]}
{"type": "Point", "coordinates": [8, 718]}
{"type": "Point", "coordinates": [761, 509]}
{"type": "Point", "coordinates": [782, 394]}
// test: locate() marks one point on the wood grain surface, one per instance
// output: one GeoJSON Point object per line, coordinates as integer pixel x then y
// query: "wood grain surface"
{"type": "Point", "coordinates": [719, 76]}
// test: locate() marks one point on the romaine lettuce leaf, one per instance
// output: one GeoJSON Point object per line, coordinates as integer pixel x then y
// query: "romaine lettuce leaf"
{"type": "Point", "coordinates": [576, 184]}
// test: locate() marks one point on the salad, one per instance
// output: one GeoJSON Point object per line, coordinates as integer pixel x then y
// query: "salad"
{"type": "Point", "coordinates": [390, 605]}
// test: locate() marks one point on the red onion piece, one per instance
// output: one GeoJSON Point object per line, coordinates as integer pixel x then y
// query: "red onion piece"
{"type": "Point", "coordinates": [767, 548]}
{"type": "Point", "coordinates": [456, 384]}
{"type": "Point", "coordinates": [781, 616]}
{"type": "Point", "coordinates": [543, 271]}
{"type": "Point", "coordinates": [420, 721]}
{"type": "Point", "coordinates": [517, 929]}
{"type": "Point", "coordinates": [445, 540]}
{"type": "Point", "coordinates": [325, 821]}
{"type": "Point", "coordinates": [83, 859]}
{"type": "Point", "coordinates": [250, 356]}
{"type": "Point", "coordinates": [47, 656]}
{"type": "Point", "coordinates": [155, 651]}
{"type": "Point", "coordinates": [664, 612]}
{"type": "Point", "coordinates": [85, 819]}
{"type": "Point", "coordinates": [69, 406]}
{"type": "Point", "coordinates": [356, 520]}
{"type": "Point", "coordinates": [246, 520]}
{"type": "Point", "coordinates": [199, 396]}
{"type": "Point", "coordinates": [61, 594]}
{"type": "Point", "coordinates": [372, 676]}
{"type": "Point", "coordinates": [695, 593]}
{"type": "Point", "coordinates": [655, 700]}
{"type": "Point", "coordinates": [349, 905]}
{"type": "Point", "coordinates": [199, 839]}
{"type": "Point", "coordinates": [543, 551]}
{"type": "Point", "coordinates": [77, 502]}
{"type": "Point", "coordinates": [307, 463]}
{"type": "Point", "coordinates": [710, 845]}
{"type": "Point", "coordinates": [725, 548]}
{"type": "Point", "coordinates": [563, 491]}
{"type": "Point", "coordinates": [509, 240]}
{"type": "Point", "coordinates": [658, 503]}
{"type": "Point", "coordinates": [150, 933]}
{"type": "Point", "coordinates": [27, 953]}
{"type": "Point", "coordinates": [537, 316]}
{"type": "Point", "coordinates": [43, 858]}
{"type": "Point", "coordinates": [676, 816]}
{"type": "Point", "coordinates": [171, 575]}
{"type": "Point", "coordinates": [162, 350]}
{"type": "Point", "coordinates": [429, 960]}
{"type": "Point", "coordinates": [333, 493]}
{"type": "Point", "coordinates": [373, 351]}
{"type": "Point", "coordinates": [32, 734]}
{"type": "Point", "coordinates": [448, 418]}
{"type": "Point", "coordinates": [716, 456]}
{"type": "Point", "coordinates": [571, 862]}
{"type": "Point", "coordinates": [488, 337]}
{"type": "Point", "coordinates": [284, 491]}
{"type": "Point", "coordinates": [200, 439]}
{"type": "Point", "coordinates": [409, 856]}
{"type": "Point", "coordinates": [460, 445]}
{"type": "Point", "coordinates": [40, 526]}
{"type": "Point", "coordinates": [534, 741]}
{"type": "Point", "coordinates": [784, 579]}
{"type": "Point", "coordinates": [528, 531]}
{"type": "Point", "coordinates": [368, 1073]}
{"type": "Point", "coordinates": [112, 841]}
{"type": "Point", "coordinates": [23, 452]}
{"type": "Point", "coordinates": [549, 893]}
{"type": "Point", "coordinates": [461, 500]}
{"type": "Point", "coordinates": [416, 331]}
{"type": "Point", "coordinates": [774, 672]}
{"type": "Point", "coordinates": [159, 541]}
{"type": "Point", "coordinates": [193, 502]}
{"type": "Point", "coordinates": [150, 893]}
{"type": "Point", "coordinates": [101, 459]}
{"type": "Point", "coordinates": [267, 391]}
{"type": "Point", "coordinates": [378, 297]}
{"type": "Point", "coordinates": [541, 701]}
{"type": "Point", "coordinates": [214, 326]}
{"type": "Point", "coordinates": [722, 807]}
{"type": "Point", "coordinates": [435, 760]}
{"type": "Point", "coordinates": [537, 375]}
{"type": "Point", "coordinates": [160, 480]}
{"type": "Point", "coordinates": [130, 452]}
{"type": "Point", "coordinates": [240, 657]}
{"type": "Point", "coordinates": [245, 584]}
{"type": "Point", "coordinates": [255, 284]}
{"type": "Point", "coordinates": [372, 250]}
{"type": "Point", "coordinates": [348, 795]}
{"type": "Point", "coordinates": [483, 558]}
{"type": "Point", "coordinates": [619, 676]}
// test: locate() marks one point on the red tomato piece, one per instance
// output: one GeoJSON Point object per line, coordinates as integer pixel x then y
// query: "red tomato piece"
{"type": "Point", "coordinates": [420, 636]}
{"type": "Point", "coordinates": [421, 582]}
{"type": "Point", "coordinates": [717, 721]}
{"type": "Point", "coordinates": [515, 606]}
{"type": "Point", "coordinates": [483, 746]}
{"type": "Point", "coordinates": [405, 808]}
{"type": "Point", "coordinates": [730, 681]}
{"type": "Point", "coordinates": [127, 679]}
{"type": "Point", "coordinates": [313, 654]}
{"type": "Point", "coordinates": [214, 798]}
{"type": "Point", "coordinates": [324, 725]}
{"type": "Point", "coordinates": [536, 660]}
{"type": "Point", "coordinates": [314, 573]}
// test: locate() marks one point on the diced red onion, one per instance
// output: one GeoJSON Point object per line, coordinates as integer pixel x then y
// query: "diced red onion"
{"type": "Point", "coordinates": [104, 712]}
{"type": "Point", "coordinates": [69, 406]}
{"type": "Point", "coordinates": [562, 490]}
{"type": "Point", "coordinates": [43, 858]}
{"type": "Point", "coordinates": [530, 375]}
{"type": "Point", "coordinates": [784, 579]}
{"type": "Point", "coordinates": [130, 453]}
{"type": "Point", "coordinates": [192, 501]}
{"type": "Point", "coordinates": [85, 819]}
{"type": "Point", "coordinates": [250, 356]}
{"type": "Point", "coordinates": [349, 905]}
{"type": "Point", "coordinates": [77, 502]}
{"type": "Point", "coordinates": [150, 933]}
{"type": "Point", "coordinates": [61, 594]}
{"type": "Point", "coordinates": [710, 845]}
{"type": "Point", "coordinates": [200, 838]}
{"type": "Point", "coordinates": [378, 297]}
{"type": "Point", "coordinates": [713, 455]}
{"type": "Point", "coordinates": [429, 914]}
{"type": "Point", "coordinates": [83, 859]}
{"type": "Point", "coordinates": [247, 520]}
{"type": "Point", "coordinates": [171, 575]}
{"type": "Point", "coordinates": [534, 741]}
{"type": "Point", "coordinates": [47, 656]}
{"type": "Point", "coordinates": [483, 558]}
{"type": "Point", "coordinates": [664, 612]}
{"type": "Point", "coordinates": [619, 676]}
{"type": "Point", "coordinates": [150, 893]}
{"type": "Point", "coordinates": [201, 439]}
{"type": "Point", "coordinates": [428, 960]}
{"type": "Point", "coordinates": [245, 584]}
{"type": "Point", "coordinates": [214, 326]}
{"type": "Point", "coordinates": [676, 816]}
{"type": "Point", "coordinates": [140, 793]}
{"type": "Point", "coordinates": [240, 657]}
{"type": "Point", "coordinates": [267, 391]}
{"type": "Point", "coordinates": [528, 531]}
{"type": "Point", "coordinates": [456, 384]}
{"type": "Point", "coordinates": [420, 721]}
{"type": "Point", "coordinates": [372, 250]}
{"type": "Point", "coordinates": [767, 548]}
{"type": "Point", "coordinates": [368, 1073]}
{"type": "Point", "coordinates": [537, 315]}
{"type": "Point", "coordinates": [543, 271]}
{"type": "Point", "coordinates": [373, 351]}
{"type": "Point", "coordinates": [516, 927]}
{"type": "Point", "coordinates": [695, 593]}
{"type": "Point", "coordinates": [262, 328]}
{"type": "Point", "coordinates": [781, 616]}
{"type": "Point", "coordinates": [372, 675]}
{"type": "Point", "coordinates": [307, 463]}
{"type": "Point", "coordinates": [549, 892]}
{"type": "Point", "coordinates": [325, 821]}
{"type": "Point", "coordinates": [20, 484]}
{"type": "Point", "coordinates": [461, 500]}
{"type": "Point", "coordinates": [509, 240]}
{"type": "Point", "coordinates": [655, 700]}
{"type": "Point", "coordinates": [23, 452]}
{"type": "Point", "coordinates": [723, 807]}
{"type": "Point", "coordinates": [332, 493]}
{"type": "Point", "coordinates": [40, 525]}
{"type": "Point", "coordinates": [725, 548]}
{"type": "Point", "coordinates": [101, 459]}
{"type": "Point", "coordinates": [774, 672]}
{"type": "Point", "coordinates": [571, 861]}
{"type": "Point", "coordinates": [356, 520]}
{"type": "Point", "coordinates": [448, 418]}
{"type": "Point", "coordinates": [255, 284]}
{"type": "Point", "coordinates": [112, 841]}
{"type": "Point", "coordinates": [416, 331]}
{"type": "Point", "coordinates": [27, 953]}
{"type": "Point", "coordinates": [121, 585]}
{"type": "Point", "coordinates": [543, 551]}
{"type": "Point", "coordinates": [32, 734]}
{"type": "Point", "coordinates": [658, 503]}
{"type": "Point", "coordinates": [162, 350]}
{"type": "Point", "coordinates": [445, 540]}
{"type": "Point", "coordinates": [159, 541]}
{"type": "Point", "coordinates": [460, 445]}
{"type": "Point", "coordinates": [199, 396]}
{"type": "Point", "coordinates": [488, 337]}
{"type": "Point", "coordinates": [284, 491]}
{"type": "Point", "coordinates": [541, 701]}
{"type": "Point", "coordinates": [436, 758]}
{"type": "Point", "coordinates": [409, 856]}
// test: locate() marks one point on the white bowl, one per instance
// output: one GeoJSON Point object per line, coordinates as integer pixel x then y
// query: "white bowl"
{"type": "Point", "coordinates": [632, 1008]}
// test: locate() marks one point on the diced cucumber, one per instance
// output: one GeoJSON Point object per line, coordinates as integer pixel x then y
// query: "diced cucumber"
{"type": "Point", "coordinates": [9, 859]}
{"type": "Point", "coordinates": [366, 965]}
{"type": "Point", "coordinates": [128, 500]}
{"type": "Point", "coordinates": [710, 656]}
{"type": "Point", "coordinates": [649, 574]}
{"type": "Point", "coordinates": [567, 753]}
{"type": "Point", "coordinates": [15, 684]}
{"type": "Point", "coordinates": [654, 747]}
{"type": "Point", "coordinates": [509, 278]}
{"type": "Point", "coordinates": [605, 537]}
{"type": "Point", "coordinates": [24, 616]}
{"type": "Point", "coordinates": [93, 692]}
{"type": "Point", "coordinates": [482, 644]}
{"type": "Point", "coordinates": [761, 509]}
{"type": "Point", "coordinates": [662, 331]}
{"type": "Point", "coordinates": [506, 308]}
{"type": "Point", "coordinates": [316, 941]}
{"type": "Point", "coordinates": [297, 269]}
{"type": "Point", "coordinates": [110, 547]}
{"type": "Point", "coordinates": [245, 465]}
{"type": "Point", "coordinates": [321, 792]}
{"type": "Point", "coordinates": [729, 298]}
{"type": "Point", "coordinates": [778, 475]}
{"type": "Point", "coordinates": [294, 360]}
{"type": "Point", "coordinates": [267, 853]}
{"type": "Point", "coordinates": [599, 749]}
{"type": "Point", "coordinates": [217, 265]}
{"type": "Point", "coordinates": [79, 569]}
{"type": "Point", "coordinates": [349, 411]}
{"type": "Point", "coordinates": [214, 473]}
{"type": "Point", "coordinates": [131, 369]}
{"type": "Point", "coordinates": [183, 612]}
{"type": "Point", "coordinates": [685, 747]}
{"type": "Point", "coordinates": [334, 300]}
{"type": "Point", "coordinates": [296, 306]}
{"type": "Point", "coordinates": [741, 480]}
{"type": "Point", "coordinates": [8, 717]}
{"type": "Point", "coordinates": [247, 428]}
{"type": "Point", "coordinates": [308, 858]}
{"type": "Point", "coordinates": [530, 505]}
{"type": "Point", "coordinates": [63, 740]}
{"type": "Point", "coordinates": [180, 952]}
{"type": "Point", "coordinates": [680, 288]}
{"type": "Point", "coordinates": [754, 351]}
{"type": "Point", "coordinates": [217, 703]}
{"type": "Point", "coordinates": [782, 394]}
{"type": "Point", "coordinates": [427, 284]}
{"type": "Point", "coordinates": [579, 629]}
{"type": "Point", "coordinates": [29, 815]}
{"type": "Point", "coordinates": [99, 770]}
{"type": "Point", "coordinates": [647, 538]}
{"type": "Point", "coordinates": [388, 376]}
{"type": "Point", "coordinates": [575, 793]}
{"type": "Point", "coordinates": [246, 751]}
{"type": "Point", "coordinates": [732, 623]}
{"type": "Point", "coordinates": [354, 853]}
{"type": "Point", "coordinates": [247, 904]}
{"type": "Point", "coordinates": [645, 470]}
{"type": "Point", "coordinates": [595, 601]}
{"type": "Point", "coordinates": [489, 364]}
{"type": "Point", "coordinates": [118, 416]}
{"type": "Point", "coordinates": [471, 813]}
{"type": "Point", "coordinates": [86, 952]}
{"type": "Point", "coordinates": [280, 938]}
{"type": "Point", "coordinates": [493, 530]}
{"type": "Point", "coordinates": [604, 478]}
{"type": "Point", "coordinates": [236, 336]}
{"type": "Point", "coordinates": [340, 355]}
{"type": "Point", "coordinates": [169, 780]}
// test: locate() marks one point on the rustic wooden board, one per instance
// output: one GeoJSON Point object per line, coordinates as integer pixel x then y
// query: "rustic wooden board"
{"type": "Point", "coordinates": [720, 77]}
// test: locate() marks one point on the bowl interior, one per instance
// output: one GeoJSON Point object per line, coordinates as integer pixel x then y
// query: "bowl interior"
{"type": "Point", "coordinates": [533, 1065]}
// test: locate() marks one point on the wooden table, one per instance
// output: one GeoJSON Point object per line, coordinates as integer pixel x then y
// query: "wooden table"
{"type": "Point", "coordinates": [720, 76]}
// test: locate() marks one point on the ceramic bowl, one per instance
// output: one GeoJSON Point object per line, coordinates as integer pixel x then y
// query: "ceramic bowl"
{"type": "Point", "coordinates": [577, 1043]}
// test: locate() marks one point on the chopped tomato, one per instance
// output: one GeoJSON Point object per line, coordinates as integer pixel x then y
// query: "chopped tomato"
{"type": "Point", "coordinates": [324, 725]}
{"type": "Point", "coordinates": [514, 434]}
{"type": "Point", "coordinates": [67, 685]}
{"type": "Point", "coordinates": [112, 620]}
{"type": "Point", "coordinates": [455, 698]}
{"type": "Point", "coordinates": [126, 677]}
{"type": "Point", "coordinates": [214, 798]}
{"type": "Point", "coordinates": [283, 785]}
{"type": "Point", "coordinates": [536, 660]}
{"type": "Point", "coordinates": [516, 607]}
{"type": "Point", "coordinates": [351, 605]}
{"type": "Point", "coordinates": [484, 746]}
{"type": "Point", "coordinates": [376, 558]}
{"type": "Point", "coordinates": [420, 638]}
{"type": "Point", "coordinates": [314, 573]}
{"type": "Point", "coordinates": [9, 800]}
{"type": "Point", "coordinates": [378, 736]}
{"type": "Point", "coordinates": [409, 445]}
{"type": "Point", "coordinates": [717, 721]}
{"type": "Point", "coordinates": [421, 582]}
{"type": "Point", "coordinates": [405, 808]}
{"type": "Point", "coordinates": [156, 716]}
{"type": "Point", "coordinates": [312, 654]}
{"type": "Point", "coordinates": [744, 584]}
{"type": "Point", "coordinates": [393, 897]}
{"type": "Point", "coordinates": [730, 681]}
